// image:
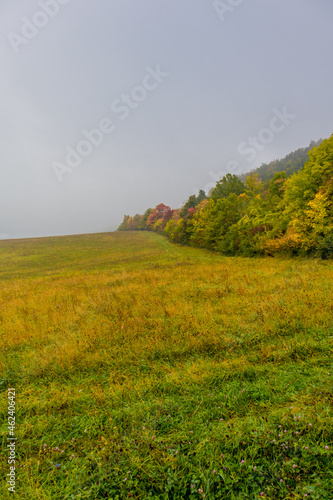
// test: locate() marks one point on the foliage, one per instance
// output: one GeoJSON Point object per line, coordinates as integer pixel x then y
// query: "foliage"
{"type": "Point", "coordinates": [153, 219]}
{"type": "Point", "coordinates": [279, 214]}
{"type": "Point", "coordinates": [159, 217]}
{"type": "Point", "coordinates": [191, 203]}
{"type": "Point", "coordinates": [229, 184]}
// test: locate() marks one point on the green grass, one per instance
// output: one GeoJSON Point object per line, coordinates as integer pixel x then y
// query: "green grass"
{"type": "Point", "coordinates": [167, 372]}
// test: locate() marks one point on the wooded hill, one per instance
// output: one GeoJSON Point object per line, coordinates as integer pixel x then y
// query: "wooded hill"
{"type": "Point", "coordinates": [290, 164]}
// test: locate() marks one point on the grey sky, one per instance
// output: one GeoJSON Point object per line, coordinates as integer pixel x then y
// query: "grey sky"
{"type": "Point", "coordinates": [227, 74]}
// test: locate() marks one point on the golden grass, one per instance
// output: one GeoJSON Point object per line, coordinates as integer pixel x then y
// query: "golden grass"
{"type": "Point", "coordinates": [91, 323]}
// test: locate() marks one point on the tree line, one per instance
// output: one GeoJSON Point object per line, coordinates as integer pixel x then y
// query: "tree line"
{"type": "Point", "coordinates": [286, 211]}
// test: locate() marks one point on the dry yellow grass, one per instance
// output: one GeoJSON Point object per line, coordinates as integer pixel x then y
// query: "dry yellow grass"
{"type": "Point", "coordinates": [101, 333]}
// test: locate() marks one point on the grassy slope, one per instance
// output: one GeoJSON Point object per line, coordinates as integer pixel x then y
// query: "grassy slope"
{"type": "Point", "coordinates": [162, 368]}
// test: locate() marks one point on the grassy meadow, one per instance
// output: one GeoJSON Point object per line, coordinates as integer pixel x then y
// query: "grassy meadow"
{"type": "Point", "coordinates": [148, 370]}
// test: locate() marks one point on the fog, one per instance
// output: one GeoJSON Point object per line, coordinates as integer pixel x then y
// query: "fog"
{"type": "Point", "coordinates": [110, 107]}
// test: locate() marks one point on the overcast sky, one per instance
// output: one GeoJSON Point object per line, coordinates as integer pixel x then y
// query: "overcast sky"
{"type": "Point", "coordinates": [182, 91]}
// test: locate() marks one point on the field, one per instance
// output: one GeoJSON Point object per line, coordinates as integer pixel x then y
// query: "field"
{"type": "Point", "coordinates": [148, 370]}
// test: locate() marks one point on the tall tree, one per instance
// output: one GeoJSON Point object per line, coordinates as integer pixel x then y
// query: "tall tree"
{"type": "Point", "coordinates": [229, 184]}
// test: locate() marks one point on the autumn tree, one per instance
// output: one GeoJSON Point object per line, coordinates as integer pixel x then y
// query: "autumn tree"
{"type": "Point", "coordinates": [229, 184]}
{"type": "Point", "coordinates": [161, 212]}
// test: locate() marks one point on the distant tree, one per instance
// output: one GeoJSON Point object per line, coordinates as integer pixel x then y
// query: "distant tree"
{"type": "Point", "coordinates": [214, 219]}
{"type": "Point", "coordinates": [253, 185]}
{"type": "Point", "coordinates": [229, 184]}
{"type": "Point", "coordinates": [123, 225]}
{"type": "Point", "coordinates": [134, 222]}
{"type": "Point", "coordinates": [131, 223]}
{"type": "Point", "coordinates": [201, 196]}
{"type": "Point", "coordinates": [174, 227]}
{"type": "Point", "coordinates": [276, 185]}
{"type": "Point", "coordinates": [192, 202]}
{"type": "Point", "coordinates": [163, 212]}
{"type": "Point", "coordinates": [144, 221]}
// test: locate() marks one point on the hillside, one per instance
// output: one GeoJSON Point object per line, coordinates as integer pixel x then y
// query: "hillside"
{"type": "Point", "coordinates": [144, 369]}
{"type": "Point", "coordinates": [290, 164]}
